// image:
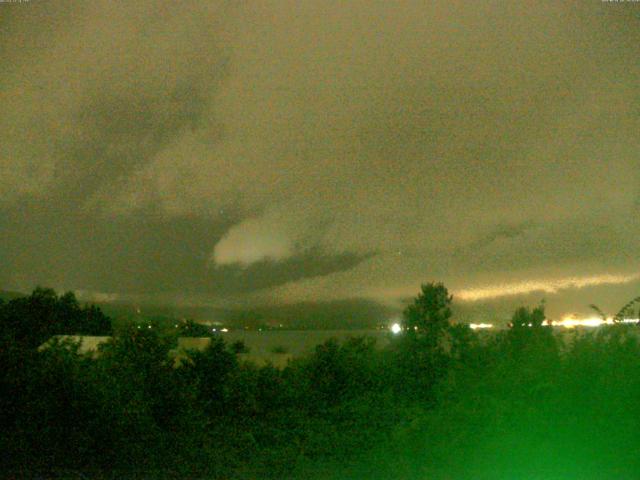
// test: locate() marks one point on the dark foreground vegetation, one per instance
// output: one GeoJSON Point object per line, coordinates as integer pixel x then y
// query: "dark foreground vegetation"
{"type": "Point", "coordinates": [439, 402]}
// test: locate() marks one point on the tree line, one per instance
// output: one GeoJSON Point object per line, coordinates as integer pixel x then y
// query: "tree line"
{"type": "Point", "coordinates": [440, 401]}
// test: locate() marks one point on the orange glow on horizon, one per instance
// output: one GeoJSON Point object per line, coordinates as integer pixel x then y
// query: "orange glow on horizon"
{"type": "Point", "coordinates": [549, 286]}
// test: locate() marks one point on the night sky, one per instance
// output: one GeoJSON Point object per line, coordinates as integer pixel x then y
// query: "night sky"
{"type": "Point", "coordinates": [245, 154]}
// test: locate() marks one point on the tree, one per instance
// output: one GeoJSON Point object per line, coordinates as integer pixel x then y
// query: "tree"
{"type": "Point", "coordinates": [423, 355]}
{"type": "Point", "coordinates": [210, 371]}
{"type": "Point", "coordinates": [430, 311]}
{"type": "Point", "coordinates": [625, 311]}
{"type": "Point", "coordinates": [191, 328]}
{"type": "Point", "coordinates": [529, 337]}
{"type": "Point", "coordinates": [95, 322]}
{"type": "Point", "coordinates": [32, 320]}
{"type": "Point", "coordinates": [239, 347]}
{"type": "Point", "coordinates": [525, 318]}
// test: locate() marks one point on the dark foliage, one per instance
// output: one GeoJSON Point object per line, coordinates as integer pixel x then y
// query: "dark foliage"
{"type": "Point", "coordinates": [193, 329]}
{"type": "Point", "coordinates": [522, 403]}
{"type": "Point", "coordinates": [31, 320]}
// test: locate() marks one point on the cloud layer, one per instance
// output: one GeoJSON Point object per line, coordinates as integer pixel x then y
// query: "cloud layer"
{"type": "Point", "coordinates": [276, 152]}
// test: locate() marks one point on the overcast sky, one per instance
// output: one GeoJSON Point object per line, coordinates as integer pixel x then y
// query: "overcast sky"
{"type": "Point", "coordinates": [274, 152]}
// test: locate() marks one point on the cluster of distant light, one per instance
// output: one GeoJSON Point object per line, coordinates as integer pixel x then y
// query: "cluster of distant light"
{"type": "Point", "coordinates": [572, 322]}
{"type": "Point", "coordinates": [396, 328]}
{"type": "Point", "coordinates": [224, 330]}
{"type": "Point", "coordinates": [567, 322]}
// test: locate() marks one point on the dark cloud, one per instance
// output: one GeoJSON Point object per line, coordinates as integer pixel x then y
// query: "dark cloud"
{"type": "Point", "coordinates": [313, 262]}
{"type": "Point", "coordinates": [118, 133]}
{"type": "Point", "coordinates": [144, 254]}
{"type": "Point", "coordinates": [497, 233]}
{"type": "Point", "coordinates": [347, 313]}
{"type": "Point", "coordinates": [130, 255]}
{"type": "Point", "coordinates": [570, 242]}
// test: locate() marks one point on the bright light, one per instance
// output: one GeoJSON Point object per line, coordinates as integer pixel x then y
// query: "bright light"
{"type": "Point", "coordinates": [475, 326]}
{"type": "Point", "coordinates": [570, 321]}
{"type": "Point", "coordinates": [396, 328]}
{"type": "Point", "coordinates": [224, 330]}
